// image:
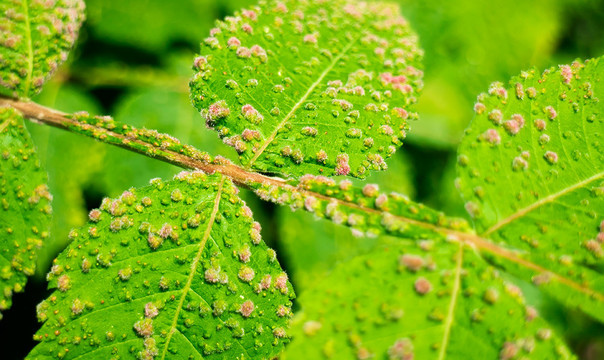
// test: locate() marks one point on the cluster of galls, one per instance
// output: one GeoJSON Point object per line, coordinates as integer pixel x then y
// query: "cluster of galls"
{"type": "Point", "coordinates": [145, 141]}
{"type": "Point", "coordinates": [366, 210]}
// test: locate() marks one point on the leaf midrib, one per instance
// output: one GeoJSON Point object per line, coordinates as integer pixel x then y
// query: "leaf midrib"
{"type": "Point", "coordinates": [30, 51]}
{"type": "Point", "coordinates": [194, 264]}
{"type": "Point", "coordinates": [452, 305]}
{"type": "Point", "coordinates": [541, 202]}
{"type": "Point", "coordinates": [300, 102]}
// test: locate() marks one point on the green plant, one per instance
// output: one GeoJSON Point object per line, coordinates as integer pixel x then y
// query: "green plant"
{"type": "Point", "coordinates": [307, 91]}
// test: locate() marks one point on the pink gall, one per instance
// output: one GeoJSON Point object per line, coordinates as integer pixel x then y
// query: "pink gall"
{"type": "Point", "coordinates": [422, 286]}
{"type": "Point", "coordinates": [218, 110]}
{"type": "Point", "coordinates": [247, 308]}
{"type": "Point", "coordinates": [567, 73]}
{"type": "Point", "coordinates": [233, 42]}
{"type": "Point", "coordinates": [247, 28]}
{"type": "Point", "coordinates": [512, 127]}
{"type": "Point", "coordinates": [342, 167]}
{"type": "Point", "coordinates": [551, 157]}
{"type": "Point", "coordinates": [412, 263]}
{"type": "Point", "coordinates": [540, 124]}
{"type": "Point", "coordinates": [492, 136]}
{"type": "Point", "coordinates": [310, 38]}
{"type": "Point", "coordinates": [550, 112]}
{"type": "Point", "coordinates": [151, 310]}
{"type": "Point", "coordinates": [243, 52]}
{"type": "Point", "coordinates": [144, 327]}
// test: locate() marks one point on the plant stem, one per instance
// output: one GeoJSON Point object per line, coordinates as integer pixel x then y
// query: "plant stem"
{"type": "Point", "coordinates": [166, 148]}
{"type": "Point", "coordinates": [137, 141]}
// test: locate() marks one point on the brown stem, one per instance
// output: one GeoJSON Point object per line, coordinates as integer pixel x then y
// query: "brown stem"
{"type": "Point", "coordinates": [242, 177]}
{"type": "Point", "coordinates": [58, 119]}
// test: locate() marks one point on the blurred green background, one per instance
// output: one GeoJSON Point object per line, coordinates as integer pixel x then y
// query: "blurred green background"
{"type": "Point", "coordinates": [133, 61]}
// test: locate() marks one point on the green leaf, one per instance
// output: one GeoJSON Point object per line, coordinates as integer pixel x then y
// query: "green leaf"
{"type": "Point", "coordinates": [36, 38]}
{"type": "Point", "coordinates": [175, 270]}
{"type": "Point", "coordinates": [301, 87]}
{"type": "Point", "coordinates": [312, 252]}
{"type": "Point", "coordinates": [531, 170]}
{"type": "Point", "coordinates": [419, 301]}
{"type": "Point", "coordinates": [25, 212]}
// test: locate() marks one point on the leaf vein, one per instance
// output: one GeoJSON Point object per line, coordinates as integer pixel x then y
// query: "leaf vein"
{"type": "Point", "coordinates": [452, 305]}
{"type": "Point", "coordinates": [301, 101]}
{"type": "Point", "coordinates": [30, 51]}
{"type": "Point", "coordinates": [194, 266]}
{"type": "Point", "coordinates": [542, 202]}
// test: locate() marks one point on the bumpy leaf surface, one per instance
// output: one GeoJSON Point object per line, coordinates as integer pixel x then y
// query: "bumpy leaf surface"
{"type": "Point", "coordinates": [424, 301]}
{"type": "Point", "coordinates": [35, 39]}
{"type": "Point", "coordinates": [175, 270]}
{"type": "Point", "coordinates": [25, 212]}
{"type": "Point", "coordinates": [531, 169]}
{"type": "Point", "coordinates": [321, 87]}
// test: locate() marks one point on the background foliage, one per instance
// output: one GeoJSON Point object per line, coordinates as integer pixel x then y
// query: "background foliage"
{"type": "Point", "coordinates": [137, 69]}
